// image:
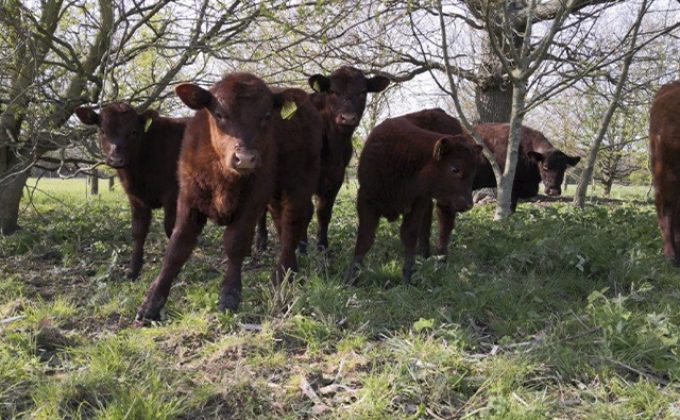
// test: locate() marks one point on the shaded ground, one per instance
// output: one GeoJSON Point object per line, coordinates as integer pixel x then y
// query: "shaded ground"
{"type": "Point", "coordinates": [557, 313]}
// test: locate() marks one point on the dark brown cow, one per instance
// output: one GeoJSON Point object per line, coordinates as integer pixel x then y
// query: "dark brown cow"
{"type": "Point", "coordinates": [144, 149]}
{"type": "Point", "coordinates": [341, 99]}
{"type": "Point", "coordinates": [401, 169]}
{"type": "Point", "coordinates": [298, 165]}
{"type": "Point", "coordinates": [664, 138]}
{"type": "Point", "coordinates": [538, 159]}
{"type": "Point", "coordinates": [226, 173]}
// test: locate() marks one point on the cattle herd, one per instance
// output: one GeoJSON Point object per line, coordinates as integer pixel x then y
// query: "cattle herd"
{"type": "Point", "coordinates": [250, 149]}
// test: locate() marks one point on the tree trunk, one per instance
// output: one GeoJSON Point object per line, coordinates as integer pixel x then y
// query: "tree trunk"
{"type": "Point", "coordinates": [94, 183]}
{"type": "Point", "coordinates": [493, 100]}
{"type": "Point", "coordinates": [587, 174]}
{"type": "Point", "coordinates": [10, 199]}
{"type": "Point", "coordinates": [111, 182]}
{"type": "Point", "coordinates": [504, 203]}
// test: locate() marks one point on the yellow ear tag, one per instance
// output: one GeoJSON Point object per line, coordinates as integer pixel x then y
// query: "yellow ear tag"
{"type": "Point", "coordinates": [288, 109]}
{"type": "Point", "coordinates": [316, 86]}
{"type": "Point", "coordinates": [147, 124]}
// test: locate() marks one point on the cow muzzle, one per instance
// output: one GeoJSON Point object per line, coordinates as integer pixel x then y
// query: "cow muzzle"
{"type": "Point", "coordinates": [115, 161]}
{"type": "Point", "coordinates": [348, 119]}
{"type": "Point", "coordinates": [245, 160]}
{"type": "Point", "coordinates": [553, 192]}
{"type": "Point", "coordinates": [462, 205]}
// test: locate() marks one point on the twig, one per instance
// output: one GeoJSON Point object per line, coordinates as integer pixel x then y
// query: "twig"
{"type": "Point", "coordinates": [12, 319]}
{"type": "Point", "coordinates": [646, 375]}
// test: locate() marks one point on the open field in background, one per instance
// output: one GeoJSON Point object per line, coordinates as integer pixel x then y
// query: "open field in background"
{"type": "Point", "coordinates": [556, 313]}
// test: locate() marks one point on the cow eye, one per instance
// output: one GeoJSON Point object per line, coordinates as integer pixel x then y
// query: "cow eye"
{"type": "Point", "coordinates": [219, 115]}
{"type": "Point", "coordinates": [331, 91]}
{"type": "Point", "coordinates": [133, 133]}
{"type": "Point", "coordinates": [267, 117]}
{"type": "Point", "coordinates": [545, 167]}
{"type": "Point", "coordinates": [455, 169]}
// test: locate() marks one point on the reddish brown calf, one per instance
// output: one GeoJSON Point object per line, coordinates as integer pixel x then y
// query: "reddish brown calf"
{"type": "Point", "coordinates": [341, 99]}
{"type": "Point", "coordinates": [144, 149]}
{"type": "Point", "coordinates": [226, 173]}
{"type": "Point", "coordinates": [401, 169]}
{"type": "Point", "coordinates": [664, 138]}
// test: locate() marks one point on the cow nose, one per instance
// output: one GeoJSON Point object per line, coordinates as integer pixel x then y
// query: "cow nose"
{"type": "Point", "coordinates": [245, 159]}
{"type": "Point", "coordinates": [553, 191]}
{"type": "Point", "coordinates": [348, 119]}
{"type": "Point", "coordinates": [115, 161]}
{"type": "Point", "coordinates": [463, 205]}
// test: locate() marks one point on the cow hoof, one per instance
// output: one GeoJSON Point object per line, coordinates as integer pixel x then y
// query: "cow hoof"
{"type": "Point", "coordinates": [150, 310]}
{"type": "Point", "coordinates": [230, 302]}
{"type": "Point", "coordinates": [145, 316]}
{"type": "Point", "coordinates": [302, 248]}
{"type": "Point", "coordinates": [132, 274]}
{"type": "Point", "coordinates": [352, 275]}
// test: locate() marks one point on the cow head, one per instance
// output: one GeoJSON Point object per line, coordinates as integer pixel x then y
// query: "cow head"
{"type": "Point", "coordinates": [346, 89]}
{"type": "Point", "coordinates": [552, 165]}
{"type": "Point", "coordinates": [454, 165]}
{"type": "Point", "coordinates": [121, 131]}
{"type": "Point", "coordinates": [239, 109]}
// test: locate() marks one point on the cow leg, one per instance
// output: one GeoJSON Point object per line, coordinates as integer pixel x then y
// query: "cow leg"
{"type": "Point", "coordinates": [294, 219]}
{"type": "Point", "coordinates": [141, 219]}
{"type": "Point", "coordinates": [324, 211]}
{"type": "Point", "coordinates": [304, 240]}
{"type": "Point", "coordinates": [238, 238]}
{"type": "Point", "coordinates": [447, 219]}
{"type": "Point", "coordinates": [189, 225]}
{"type": "Point", "coordinates": [169, 216]}
{"type": "Point", "coordinates": [669, 232]}
{"type": "Point", "coordinates": [513, 200]}
{"type": "Point", "coordinates": [424, 232]}
{"type": "Point", "coordinates": [410, 225]}
{"type": "Point", "coordinates": [261, 238]}
{"type": "Point", "coordinates": [368, 224]}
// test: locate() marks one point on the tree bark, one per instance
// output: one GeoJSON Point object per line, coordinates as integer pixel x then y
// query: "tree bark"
{"type": "Point", "coordinates": [493, 100]}
{"type": "Point", "coordinates": [94, 184]}
{"type": "Point", "coordinates": [504, 203]}
{"type": "Point", "coordinates": [10, 199]}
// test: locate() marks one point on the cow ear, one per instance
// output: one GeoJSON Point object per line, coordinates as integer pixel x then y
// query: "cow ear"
{"type": "Point", "coordinates": [288, 100]}
{"type": "Point", "coordinates": [535, 156]}
{"type": "Point", "coordinates": [572, 160]}
{"type": "Point", "coordinates": [194, 96]}
{"type": "Point", "coordinates": [87, 115]}
{"type": "Point", "coordinates": [147, 118]}
{"type": "Point", "coordinates": [377, 83]}
{"type": "Point", "coordinates": [441, 148]}
{"type": "Point", "coordinates": [320, 83]}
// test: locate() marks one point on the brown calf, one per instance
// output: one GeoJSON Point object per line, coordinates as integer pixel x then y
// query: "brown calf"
{"type": "Point", "coordinates": [401, 169]}
{"type": "Point", "coordinates": [226, 173]}
{"type": "Point", "coordinates": [664, 138]}
{"type": "Point", "coordinates": [341, 99]}
{"type": "Point", "coordinates": [144, 149]}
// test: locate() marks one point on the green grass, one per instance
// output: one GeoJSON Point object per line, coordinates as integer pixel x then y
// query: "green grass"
{"type": "Point", "coordinates": [556, 313]}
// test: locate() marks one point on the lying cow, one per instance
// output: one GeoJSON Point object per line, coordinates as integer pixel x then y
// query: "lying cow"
{"type": "Point", "coordinates": [144, 149]}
